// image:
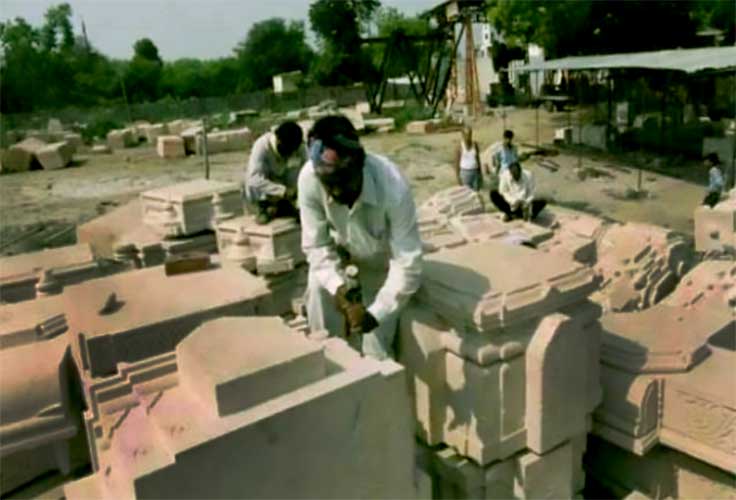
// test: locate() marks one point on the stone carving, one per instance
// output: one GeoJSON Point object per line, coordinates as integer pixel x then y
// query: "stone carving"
{"type": "Point", "coordinates": [31, 321]}
{"type": "Point", "coordinates": [187, 208]}
{"type": "Point", "coordinates": [271, 248]}
{"type": "Point", "coordinates": [154, 435]}
{"type": "Point", "coordinates": [145, 324]}
{"type": "Point", "coordinates": [36, 418]}
{"type": "Point", "coordinates": [715, 228]}
{"type": "Point", "coordinates": [26, 276]}
{"type": "Point", "coordinates": [639, 265]}
{"type": "Point", "coordinates": [663, 371]}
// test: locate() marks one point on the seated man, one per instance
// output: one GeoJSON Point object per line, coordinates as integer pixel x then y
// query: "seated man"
{"type": "Point", "coordinates": [715, 180]}
{"type": "Point", "coordinates": [356, 210]}
{"type": "Point", "coordinates": [515, 195]}
{"type": "Point", "coordinates": [272, 172]}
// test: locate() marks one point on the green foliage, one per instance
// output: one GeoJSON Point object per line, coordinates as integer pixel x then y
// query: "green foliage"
{"type": "Point", "coordinates": [407, 56]}
{"type": "Point", "coordinates": [578, 27]}
{"type": "Point", "coordinates": [271, 47]}
{"type": "Point", "coordinates": [99, 127]}
{"type": "Point", "coordinates": [338, 25]}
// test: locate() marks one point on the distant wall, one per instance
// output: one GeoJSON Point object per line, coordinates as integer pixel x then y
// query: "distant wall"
{"type": "Point", "coordinates": [169, 108]}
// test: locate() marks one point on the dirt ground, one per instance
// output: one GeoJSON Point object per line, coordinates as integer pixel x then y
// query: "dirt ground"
{"type": "Point", "coordinates": [41, 208]}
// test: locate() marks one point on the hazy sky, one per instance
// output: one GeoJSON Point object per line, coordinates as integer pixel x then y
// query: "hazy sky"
{"type": "Point", "coordinates": [180, 28]}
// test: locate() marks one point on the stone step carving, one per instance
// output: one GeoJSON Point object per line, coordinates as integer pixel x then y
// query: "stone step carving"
{"type": "Point", "coordinates": [144, 320]}
{"type": "Point", "coordinates": [325, 421]}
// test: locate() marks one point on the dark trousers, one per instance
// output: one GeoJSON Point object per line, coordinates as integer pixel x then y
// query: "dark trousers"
{"type": "Point", "coordinates": [712, 198]}
{"type": "Point", "coordinates": [501, 203]}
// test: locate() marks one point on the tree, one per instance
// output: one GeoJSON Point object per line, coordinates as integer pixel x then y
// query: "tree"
{"type": "Point", "coordinates": [578, 27]}
{"type": "Point", "coordinates": [271, 47]}
{"type": "Point", "coordinates": [392, 24]}
{"type": "Point", "coordinates": [338, 25]}
{"type": "Point", "coordinates": [143, 74]}
{"type": "Point", "coordinates": [57, 30]}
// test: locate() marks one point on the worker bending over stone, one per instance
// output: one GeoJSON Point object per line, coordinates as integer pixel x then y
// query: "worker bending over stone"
{"type": "Point", "coordinates": [515, 194]}
{"type": "Point", "coordinates": [357, 208]}
{"type": "Point", "coordinates": [715, 180]}
{"type": "Point", "coordinates": [272, 172]}
{"type": "Point", "coordinates": [467, 162]}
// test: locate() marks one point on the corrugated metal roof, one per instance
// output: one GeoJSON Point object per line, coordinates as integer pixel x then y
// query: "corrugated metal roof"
{"type": "Point", "coordinates": [687, 60]}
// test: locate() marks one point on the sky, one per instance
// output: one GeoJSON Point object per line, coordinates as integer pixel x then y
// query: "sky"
{"type": "Point", "coordinates": [180, 28]}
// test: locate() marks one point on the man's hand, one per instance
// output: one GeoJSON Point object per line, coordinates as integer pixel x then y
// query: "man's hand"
{"type": "Point", "coordinates": [343, 298]}
{"type": "Point", "coordinates": [359, 319]}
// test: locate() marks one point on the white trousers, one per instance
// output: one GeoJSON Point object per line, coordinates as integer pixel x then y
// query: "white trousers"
{"type": "Point", "coordinates": [322, 314]}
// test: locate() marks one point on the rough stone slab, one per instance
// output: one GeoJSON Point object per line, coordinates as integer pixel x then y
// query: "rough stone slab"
{"type": "Point", "coordinates": [112, 321]}
{"type": "Point", "coordinates": [483, 227]}
{"type": "Point", "coordinates": [154, 131]}
{"type": "Point", "coordinates": [100, 149]}
{"type": "Point", "coordinates": [31, 145]}
{"type": "Point", "coordinates": [15, 159]}
{"type": "Point", "coordinates": [170, 146]}
{"type": "Point", "coordinates": [225, 141]}
{"type": "Point", "coordinates": [253, 366]}
{"type": "Point", "coordinates": [74, 140]}
{"type": "Point", "coordinates": [56, 155]}
{"type": "Point", "coordinates": [123, 138]}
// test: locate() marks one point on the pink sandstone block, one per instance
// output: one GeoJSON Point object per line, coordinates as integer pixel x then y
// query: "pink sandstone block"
{"type": "Point", "coordinates": [473, 393]}
{"type": "Point", "coordinates": [162, 439]}
{"type": "Point", "coordinates": [661, 473]}
{"type": "Point", "coordinates": [112, 321]}
{"type": "Point", "coordinates": [170, 146]}
{"type": "Point", "coordinates": [715, 228]}
{"type": "Point", "coordinates": [120, 139]}
{"type": "Point", "coordinates": [421, 127]}
{"type": "Point", "coordinates": [484, 286]}
{"type": "Point", "coordinates": [19, 274]}
{"type": "Point", "coordinates": [35, 409]}
{"type": "Point", "coordinates": [557, 402]}
{"type": "Point", "coordinates": [255, 365]}
{"type": "Point", "coordinates": [31, 321]}
{"type": "Point", "coordinates": [545, 476]}
{"type": "Point", "coordinates": [15, 159]}
{"type": "Point", "coordinates": [664, 369]}
{"type": "Point", "coordinates": [190, 207]}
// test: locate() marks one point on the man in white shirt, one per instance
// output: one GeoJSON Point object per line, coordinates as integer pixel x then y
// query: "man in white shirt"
{"type": "Point", "coordinates": [515, 194]}
{"type": "Point", "coordinates": [715, 180]}
{"type": "Point", "coordinates": [357, 208]}
{"type": "Point", "coordinates": [272, 172]}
